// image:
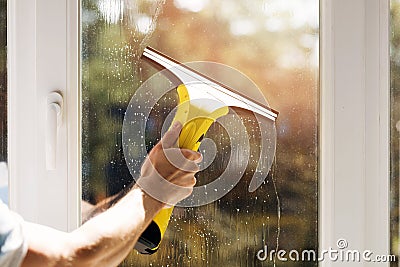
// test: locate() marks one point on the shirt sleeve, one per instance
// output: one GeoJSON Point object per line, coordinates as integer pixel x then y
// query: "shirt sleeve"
{"type": "Point", "coordinates": [13, 245]}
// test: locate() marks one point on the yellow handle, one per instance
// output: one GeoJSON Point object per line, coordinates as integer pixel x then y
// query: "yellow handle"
{"type": "Point", "coordinates": [196, 121]}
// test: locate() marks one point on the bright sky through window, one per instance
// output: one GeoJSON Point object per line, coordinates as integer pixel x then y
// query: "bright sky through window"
{"type": "Point", "coordinates": [192, 5]}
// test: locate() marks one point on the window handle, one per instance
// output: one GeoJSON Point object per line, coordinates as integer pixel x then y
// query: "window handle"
{"type": "Point", "coordinates": [54, 121]}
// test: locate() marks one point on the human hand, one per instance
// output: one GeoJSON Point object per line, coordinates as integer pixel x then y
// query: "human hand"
{"type": "Point", "coordinates": [168, 173]}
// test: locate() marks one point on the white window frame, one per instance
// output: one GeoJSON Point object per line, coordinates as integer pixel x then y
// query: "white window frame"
{"type": "Point", "coordinates": [43, 56]}
{"type": "Point", "coordinates": [354, 118]}
{"type": "Point", "coordinates": [354, 177]}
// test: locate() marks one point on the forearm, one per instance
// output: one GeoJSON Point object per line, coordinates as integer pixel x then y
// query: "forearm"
{"type": "Point", "coordinates": [105, 240]}
{"type": "Point", "coordinates": [119, 228]}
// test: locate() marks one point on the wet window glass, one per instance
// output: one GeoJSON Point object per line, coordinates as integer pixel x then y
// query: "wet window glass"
{"type": "Point", "coordinates": [275, 45]}
{"type": "Point", "coordinates": [3, 102]}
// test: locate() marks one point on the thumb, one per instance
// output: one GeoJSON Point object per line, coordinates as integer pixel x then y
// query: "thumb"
{"type": "Point", "coordinates": [171, 136]}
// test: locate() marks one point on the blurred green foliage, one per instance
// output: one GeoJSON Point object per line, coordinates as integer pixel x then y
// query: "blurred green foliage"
{"type": "Point", "coordinates": [3, 80]}
{"type": "Point", "coordinates": [230, 231]}
{"type": "Point", "coordinates": [394, 126]}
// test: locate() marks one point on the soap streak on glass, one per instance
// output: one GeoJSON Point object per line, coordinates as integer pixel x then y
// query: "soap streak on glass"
{"type": "Point", "coordinates": [114, 34]}
{"type": "Point", "coordinates": [275, 43]}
